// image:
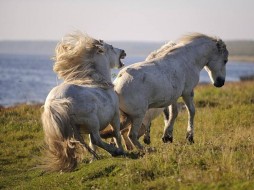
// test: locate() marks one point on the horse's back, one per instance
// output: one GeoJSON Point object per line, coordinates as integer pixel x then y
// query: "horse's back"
{"type": "Point", "coordinates": [139, 77]}
{"type": "Point", "coordinates": [81, 92]}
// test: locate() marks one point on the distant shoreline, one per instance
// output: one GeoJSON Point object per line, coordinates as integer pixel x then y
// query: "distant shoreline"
{"type": "Point", "coordinates": [241, 58]}
{"type": "Point", "coordinates": [239, 50]}
{"type": "Point", "coordinates": [39, 104]}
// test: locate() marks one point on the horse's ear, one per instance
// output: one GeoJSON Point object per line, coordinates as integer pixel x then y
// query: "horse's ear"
{"type": "Point", "coordinates": [220, 45]}
{"type": "Point", "coordinates": [99, 48]}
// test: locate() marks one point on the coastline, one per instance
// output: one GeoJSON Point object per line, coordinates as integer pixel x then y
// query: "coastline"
{"type": "Point", "coordinates": [244, 80]}
{"type": "Point", "coordinates": [242, 58]}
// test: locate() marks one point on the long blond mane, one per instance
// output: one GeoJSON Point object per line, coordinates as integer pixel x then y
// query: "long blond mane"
{"type": "Point", "coordinates": [171, 46]}
{"type": "Point", "coordinates": [74, 60]}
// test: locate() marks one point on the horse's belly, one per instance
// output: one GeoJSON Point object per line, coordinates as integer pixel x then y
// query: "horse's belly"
{"type": "Point", "coordinates": [138, 90]}
{"type": "Point", "coordinates": [163, 96]}
{"type": "Point", "coordinates": [162, 103]}
{"type": "Point", "coordinates": [86, 126]}
{"type": "Point", "coordinates": [158, 104]}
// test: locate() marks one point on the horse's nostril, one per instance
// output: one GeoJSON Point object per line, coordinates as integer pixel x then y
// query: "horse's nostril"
{"type": "Point", "coordinates": [219, 82]}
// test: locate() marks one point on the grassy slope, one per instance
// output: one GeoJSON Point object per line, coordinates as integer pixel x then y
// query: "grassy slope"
{"type": "Point", "coordinates": [221, 158]}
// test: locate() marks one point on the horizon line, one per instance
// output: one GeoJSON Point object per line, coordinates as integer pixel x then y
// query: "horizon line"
{"type": "Point", "coordinates": [142, 41]}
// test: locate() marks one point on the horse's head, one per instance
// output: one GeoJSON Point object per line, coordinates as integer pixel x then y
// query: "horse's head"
{"type": "Point", "coordinates": [81, 59]}
{"type": "Point", "coordinates": [216, 66]}
{"type": "Point", "coordinates": [112, 54]}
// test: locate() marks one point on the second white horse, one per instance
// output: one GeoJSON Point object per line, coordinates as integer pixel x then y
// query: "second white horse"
{"type": "Point", "coordinates": [161, 81]}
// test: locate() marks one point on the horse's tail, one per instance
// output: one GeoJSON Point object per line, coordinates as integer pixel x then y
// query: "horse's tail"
{"type": "Point", "coordinates": [62, 151]}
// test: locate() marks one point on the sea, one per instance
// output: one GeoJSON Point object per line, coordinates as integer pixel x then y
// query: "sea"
{"type": "Point", "coordinates": [26, 74]}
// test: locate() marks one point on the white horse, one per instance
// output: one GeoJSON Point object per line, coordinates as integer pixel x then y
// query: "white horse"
{"type": "Point", "coordinates": [159, 82]}
{"type": "Point", "coordinates": [150, 115]}
{"type": "Point", "coordinates": [84, 103]}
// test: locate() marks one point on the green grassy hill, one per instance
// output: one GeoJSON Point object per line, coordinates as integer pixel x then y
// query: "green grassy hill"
{"type": "Point", "coordinates": [221, 158]}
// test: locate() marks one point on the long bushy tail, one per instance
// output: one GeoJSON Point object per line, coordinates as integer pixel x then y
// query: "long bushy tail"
{"type": "Point", "coordinates": [62, 151]}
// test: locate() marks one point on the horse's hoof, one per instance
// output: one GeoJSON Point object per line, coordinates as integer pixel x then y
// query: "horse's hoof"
{"type": "Point", "coordinates": [167, 139]}
{"type": "Point", "coordinates": [97, 157]}
{"type": "Point", "coordinates": [92, 160]}
{"type": "Point", "coordinates": [189, 138]}
{"type": "Point", "coordinates": [147, 140]}
{"type": "Point", "coordinates": [118, 152]}
{"type": "Point", "coordinates": [142, 153]}
{"type": "Point", "coordinates": [134, 154]}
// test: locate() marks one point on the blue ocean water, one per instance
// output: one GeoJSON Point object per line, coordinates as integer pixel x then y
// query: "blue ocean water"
{"type": "Point", "coordinates": [28, 78]}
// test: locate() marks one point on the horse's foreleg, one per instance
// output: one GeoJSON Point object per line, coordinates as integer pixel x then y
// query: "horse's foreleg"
{"type": "Point", "coordinates": [128, 143]}
{"type": "Point", "coordinates": [188, 99]}
{"type": "Point", "coordinates": [115, 123]}
{"type": "Point", "coordinates": [169, 119]}
{"type": "Point", "coordinates": [133, 133]}
{"type": "Point", "coordinates": [124, 121]}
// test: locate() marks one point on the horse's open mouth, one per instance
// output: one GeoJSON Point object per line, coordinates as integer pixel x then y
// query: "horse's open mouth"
{"type": "Point", "coordinates": [122, 56]}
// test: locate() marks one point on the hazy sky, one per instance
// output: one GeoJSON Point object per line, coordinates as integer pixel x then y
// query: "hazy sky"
{"type": "Point", "coordinates": [144, 20]}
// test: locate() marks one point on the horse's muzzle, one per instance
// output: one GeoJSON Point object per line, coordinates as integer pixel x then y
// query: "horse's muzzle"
{"type": "Point", "coordinates": [219, 82]}
{"type": "Point", "coordinates": [122, 56]}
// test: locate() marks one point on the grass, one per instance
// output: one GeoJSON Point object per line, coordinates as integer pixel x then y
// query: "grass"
{"type": "Point", "coordinates": [221, 158]}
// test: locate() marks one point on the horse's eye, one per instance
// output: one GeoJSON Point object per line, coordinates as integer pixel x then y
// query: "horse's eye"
{"type": "Point", "coordinates": [111, 47]}
{"type": "Point", "coordinates": [225, 61]}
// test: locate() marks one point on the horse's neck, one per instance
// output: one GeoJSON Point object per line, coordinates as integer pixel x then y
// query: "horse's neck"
{"type": "Point", "coordinates": [104, 69]}
{"type": "Point", "coordinates": [199, 54]}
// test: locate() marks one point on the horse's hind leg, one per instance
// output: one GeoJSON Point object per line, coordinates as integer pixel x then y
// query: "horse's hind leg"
{"type": "Point", "coordinates": [188, 99]}
{"type": "Point", "coordinates": [80, 138]}
{"type": "Point", "coordinates": [171, 116]}
{"type": "Point", "coordinates": [96, 139]}
{"type": "Point", "coordinates": [94, 148]}
{"type": "Point", "coordinates": [166, 115]}
{"type": "Point", "coordinates": [147, 138]}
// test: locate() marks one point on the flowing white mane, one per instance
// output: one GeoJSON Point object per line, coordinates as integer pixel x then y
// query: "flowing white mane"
{"type": "Point", "coordinates": [171, 46]}
{"type": "Point", "coordinates": [162, 51]}
{"type": "Point", "coordinates": [74, 60]}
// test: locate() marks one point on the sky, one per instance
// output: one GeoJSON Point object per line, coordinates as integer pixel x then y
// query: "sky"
{"type": "Point", "coordinates": [129, 20]}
